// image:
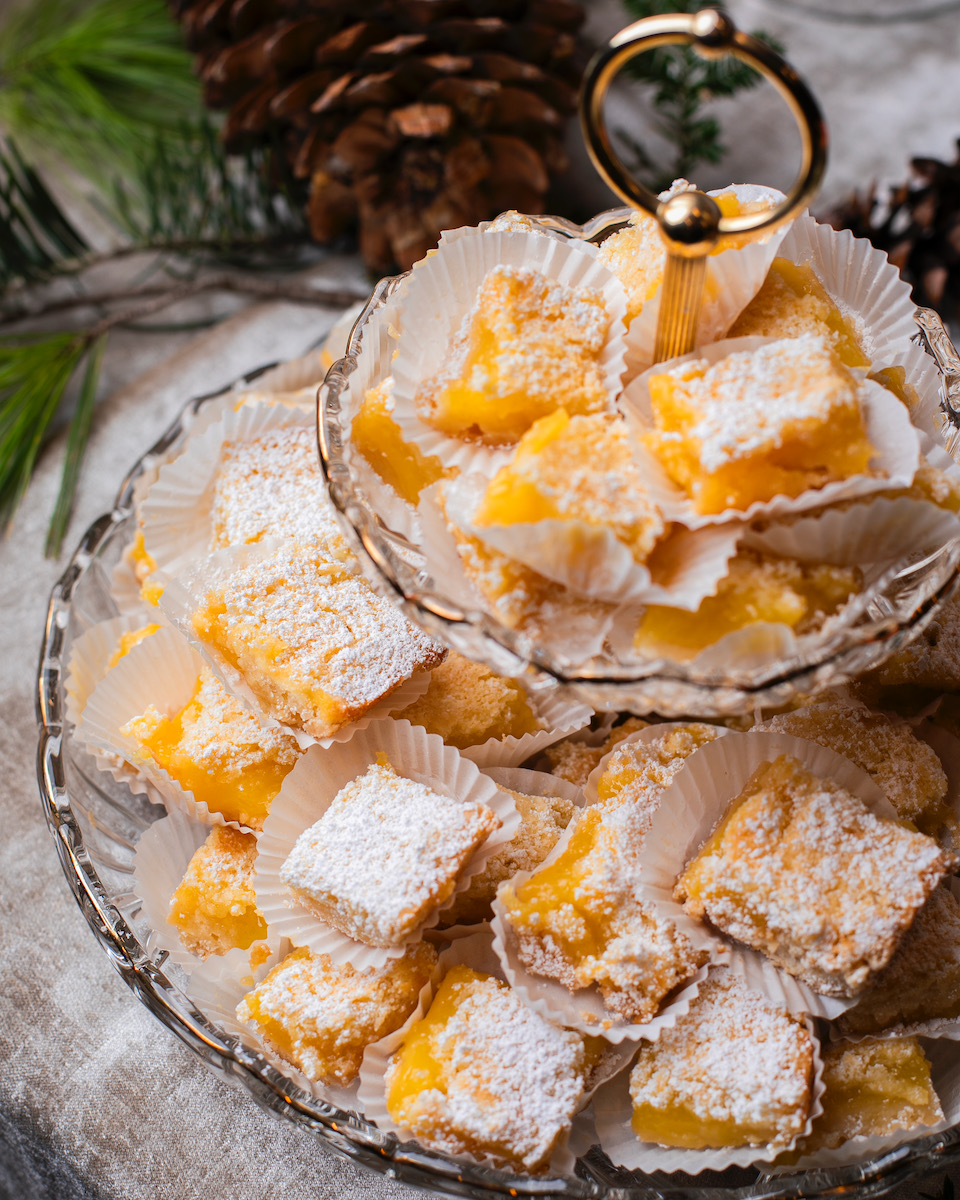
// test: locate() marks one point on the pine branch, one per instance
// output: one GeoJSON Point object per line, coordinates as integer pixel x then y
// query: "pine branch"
{"type": "Point", "coordinates": [683, 82]}
{"type": "Point", "coordinates": [76, 445]}
{"type": "Point", "coordinates": [85, 79]}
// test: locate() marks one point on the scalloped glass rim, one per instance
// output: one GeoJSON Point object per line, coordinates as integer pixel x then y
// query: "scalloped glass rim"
{"type": "Point", "coordinates": [882, 619]}
{"type": "Point", "coordinates": [94, 823]}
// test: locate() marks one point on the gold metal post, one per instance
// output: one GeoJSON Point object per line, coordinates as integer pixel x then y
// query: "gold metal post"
{"type": "Point", "coordinates": [691, 223]}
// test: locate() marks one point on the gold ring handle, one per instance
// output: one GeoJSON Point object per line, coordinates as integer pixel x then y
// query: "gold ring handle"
{"type": "Point", "coordinates": [712, 34]}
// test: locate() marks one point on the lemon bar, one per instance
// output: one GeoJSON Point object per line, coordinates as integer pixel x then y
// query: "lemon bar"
{"type": "Point", "coordinates": [873, 1088]}
{"type": "Point", "coordinates": [467, 704]}
{"type": "Point", "coordinates": [133, 637]}
{"type": "Point", "coordinates": [735, 1070]}
{"type": "Point", "coordinates": [272, 487]}
{"type": "Point", "coordinates": [219, 751]}
{"type": "Point", "coordinates": [778, 420]}
{"type": "Point", "coordinates": [314, 642]}
{"type": "Point", "coordinates": [385, 854]}
{"type": "Point", "coordinates": [792, 302]}
{"type": "Point", "coordinates": [579, 920]}
{"type": "Point", "coordinates": [574, 759]}
{"type": "Point", "coordinates": [529, 346]}
{"type": "Point", "coordinates": [376, 435]}
{"type": "Point", "coordinates": [321, 1016]}
{"type": "Point", "coordinates": [756, 588]}
{"type": "Point", "coordinates": [922, 981]}
{"type": "Point", "coordinates": [575, 469]}
{"type": "Point", "coordinates": [907, 770]}
{"type": "Point", "coordinates": [214, 908]}
{"type": "Point", "coordinates": [542, 820]}
{"type": "Point", "coordinates": [483, 1074]}
{"type": "Point", "coordinates": [801, 870]}
{"type": "Point", "coordinates": [144, 567]}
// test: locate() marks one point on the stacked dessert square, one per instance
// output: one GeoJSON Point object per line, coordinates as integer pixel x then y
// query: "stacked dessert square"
{"type": "Point", "coordinates": [474, 911]}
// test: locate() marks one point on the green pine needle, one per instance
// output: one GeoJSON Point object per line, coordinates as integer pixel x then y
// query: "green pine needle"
{"type": "Point", "coordinates": [34, 373]}
{"type": "Point", "coordinates": [683, 82]}
{"type": "Point", "coordinates": [76, 445]}
{"type": "Point", "coordinates": [85, 78]}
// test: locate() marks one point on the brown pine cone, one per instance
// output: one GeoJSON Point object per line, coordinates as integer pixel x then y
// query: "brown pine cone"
{"type": "Point", "coordinates": [418, 116]}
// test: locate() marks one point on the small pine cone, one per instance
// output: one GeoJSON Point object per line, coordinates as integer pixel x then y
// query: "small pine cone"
{"type": "Point", "coordinates": [418, 116]}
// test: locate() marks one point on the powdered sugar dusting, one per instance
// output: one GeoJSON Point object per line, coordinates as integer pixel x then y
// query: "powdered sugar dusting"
{"type": "Point", "coordinates": [385, 854]}
{"type": "Point", "coordinates": [733, 1057]}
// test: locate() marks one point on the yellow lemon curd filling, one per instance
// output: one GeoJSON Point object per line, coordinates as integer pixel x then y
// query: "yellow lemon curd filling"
{"type": "Point", "coordinates": [321, 1015]}
{"type": "Point", "coordinates": [775, 590]}
{"type": "Point", "coordinates": [378, 437]}
{"type": "Point", "coordinates": [529, 346]}
{"type": "Point", "coordinates": [779, 420]}
{"type": "Point", "coordinates": [144, 565]}
{"type": "Point", "coordinates": [873, 1088]}
{"type": "Point", "coordinates": [793, 301]}
{"type": "Point", "coordinates": [575, 469]}
{"type": "Point", "coordinates": [215, 749]}
{"type": "Point", "coordinates": [483, 1074]}
{"type": "Point", "coordinates": [214, 908]}
{"type": "Point", "coordinates": [133, 637]}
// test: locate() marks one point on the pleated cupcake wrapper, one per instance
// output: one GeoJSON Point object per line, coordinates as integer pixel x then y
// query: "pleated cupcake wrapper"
{"type": "Point", "coordinates": [534, 783]}
{"type": "Point", "coordinates": [442, 290]}
{"type": "Point", "coordinates": [922, 375]}
{"type": "Point", "coordinates": [593, 562]}
{"type": "Point", "coordinates": [307, 793]}
{"type": "Point", "coordinates": [218, 992]}
{"type": "Point", "coordinates": [733, 278]}
{"type": "Point", "coordinates": [125, 590]}
{"type": "Point", "coordinates": [570, 638]}
{"type": "Point", "coordinates": [613, 1113]}
{"type": "Point", "coordinates": [476, 952]}
{"type": "Point", "coordinates": [90, 659]}
{"type": "Point", "coordinates": [947, 749]}
{"type": "Point", "coordinates": [162, 856]}
{"type": "Point", "coordinates": [162, 670]}
{"type": "Point", "coordinates": [864, 283]}
{"type": "Point", "coordinates": [692, 806]}
{"type": "Point", "coordinates": [560, 717]}
{"type": "Point", "coordinates": [512, 222]}
{"type": "Point", "coordinates": [937, 1027]}
{"type": "Point", "coordinates": [177, 514]}
{"type": "Point", "coordinates": [881, 530]}
{"type": "Point", "coordinates": [183, 596]}
{"type": "Point", "coordinates": [888, 428]}
{"type": "Point", "coordinates": [645, 736]}
{"type": "Point", "coordinates": [944, 1059]}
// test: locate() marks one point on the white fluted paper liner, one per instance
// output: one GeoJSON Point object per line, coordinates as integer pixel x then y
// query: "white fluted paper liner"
{"type": "Point", "coordinates": [162, 856]}
{"type": "Point", "coordinates": [218, 992]}
{"type": "Point", "coordinates": [177, 512]}
{"type": "Point", "coordinates": [881, 530]}
{"type": "Point", "coordinates": [577, 627]}
{"type": "Point", "coordinates": [476, 952]}
{"type": "Point", "coordinates": [125, 590]}
{"type": "Point", "coordinates": [613, 1113]}
{"type": "Point", "coordinates": [947, 749]}
{"type": "Point", "coordinates": [162, 670]}
{"type": "Point", "coordinates": [649, 734]}
{"type": "Point", "coordinates": [865, 284]}
{"type": "Point", "coordinates": [895, 441]}
{"type": "Point", "coordinates": [693, 804]}
{"type": "Point", "coordinates": [90, 659]}
{"type": "Point", "coordinates": [922, 377]}
{"type": "Point", "coordinates": [307, 793]}
{"type": "Point", "coordinates": [512, 221]}
{"type": "Point", "coordinates": [733, 278]}
{"type": "Point", "coordinates": [559, 716]}
{"type": "Point", "coordinates": [944, 1059]}
{"type": "Point", "coordinates": [593, 562]}
{"type": "Point", "coordinates": [534, 783]}
{"type": "Point", "coordinates": [442, 289]}
{"type": "Point", "coordinates": [183, 596]}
